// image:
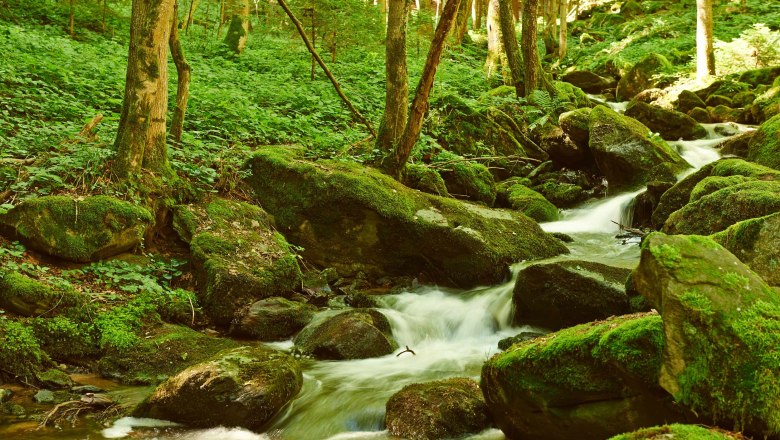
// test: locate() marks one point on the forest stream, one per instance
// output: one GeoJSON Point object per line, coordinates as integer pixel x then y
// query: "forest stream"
{"type": "Point", "coordinates": [451, 332]}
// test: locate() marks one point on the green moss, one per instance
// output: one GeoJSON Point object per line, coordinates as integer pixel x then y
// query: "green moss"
{"type": "Point", "coordinates": [678, 432]}
{"type": "Point", "coordinates": [424, 179]}
{"type": "Point", "coordinates": [634, 345]}
{"type": "Point", "coordinates": [25, 296]}
{"type": "Point", "coordinates": [668, 255]}
{"type": "Point", "coordinates": [713, 183]}
{"type": "Point", "coordinates": [20, 353]}
{"type": "Point", "coordinates": [562, 195]}
{"type": "Point", "coordinates": [531, 203]}
{"type": "Point", "coordinates": [764, 146]}
{"type": "Point", "coordinates": [469, 180]}
{"type": "Point", "coordinates": [65, 339]}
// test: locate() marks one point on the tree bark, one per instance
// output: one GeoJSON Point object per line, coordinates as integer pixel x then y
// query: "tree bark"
{"type": "Point", "coordinates": [496, 60]}
{"type": "Point", "coordinates": [462, 21]}
{"type": "Point", "coordinates": [397, 83]}
{"type": "Point", "coordinates": [184, 72]}
{"type": "Point", "coordinates": [72, 14]}
{"type": "Point", "coordinates": [420, 102]}
{"type": "Point", "coordinates": [237, 12]}
{"type": "Point", "coordinates": [191, 15]}
{"type": "Point", "coordinates": [705, 55]}
{"type": "Point", "coordinates": [476, 14]}
{"type": "Point", "coordinates": [513, 56]}
{"type": "Point", "coordinates": [549, 30]}
{"type": "Point", "coordinates": [533, 76]}
{"type": "Point", "coordinates": [330, 76]}
{"type": "Point", "coordinates": [564, 30]}
{"type": "Point", "coordinates": [140, 140]}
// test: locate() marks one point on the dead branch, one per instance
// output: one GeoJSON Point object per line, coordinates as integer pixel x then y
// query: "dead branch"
{"type": "Point", "coordinates": [630, 230]}
{"type": "Point", "coordinates": [87, 132]}
{"type": "Point", "coordinates": [408, 350]}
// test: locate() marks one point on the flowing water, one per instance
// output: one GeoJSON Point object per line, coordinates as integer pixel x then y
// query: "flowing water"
{"type": "Point", "coordinates": [452, 332]}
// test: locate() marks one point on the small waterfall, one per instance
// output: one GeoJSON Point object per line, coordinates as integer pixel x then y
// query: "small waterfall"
{"type": "Point", "coordinates": [594, 217]}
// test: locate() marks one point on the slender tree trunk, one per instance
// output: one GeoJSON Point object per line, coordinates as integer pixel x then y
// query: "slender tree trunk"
{"type": "Point", "coordinates": [140, 140]}
{"type": "Point", "coordinates": [420, 103]}
{"type": "Point", "coordinates": [510, 44]}
{"type": "Point", "coordinates": [237, 13]}
{"type": "Point", "coordinates": [221, 18]}
{"type": "Point", "coordinates": [302, 33]}
{"type": "Point", "coordinates": [549, 31]}
{"type": "Point", "coordinates": [496, 55]}
{"type": "Point", "coordinates": [103, 20]}
{"type": "Point", "coordinates": [477, 13]}
{"type": "Point", "coordinates": [462, 21]}
{"type": "Point", "coordinates": [184, 71]}
{"type": "Point", "coordinates": [705, 55]}
{"type": "Point", "coordinates": [397, 83]}
{"type": "Point", "coordinates": [191, 15]}
{"type": "Point", "coordinates": [534, 77]}
{"type": "Point", "coordinates": [564, 30]}
{"type": "Point", "coordinates": [72, 16]}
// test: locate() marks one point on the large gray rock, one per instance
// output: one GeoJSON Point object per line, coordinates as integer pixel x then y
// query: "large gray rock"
{"type": "Point", "coordinates": [447, 408]}
{"type": "Point", "coordinates": [352, 334]}
{"type": "Point", "coordinates": [243, 387]}
{"type": "Point", "coordinates": [356, 219]}
{"type": "Point", "coordinates": [567, 293]}
{"type": "Point", "coordinates": [272, 319]}
{"type": "Point", "coordinates": [721, 354]}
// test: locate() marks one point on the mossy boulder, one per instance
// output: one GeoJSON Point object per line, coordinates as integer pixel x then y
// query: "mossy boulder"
{"type": "Point", "coordinates": [766, 106]}
{"type": "Point", "coordinates": [624, 150]}
{"type": "Point", "coordinates": [562, 195]}
{"type": "Point", "coordinates": [576, 125]}
{"type": "Point", "coordinates": [466, 180]}
{"type": "Point", "coordinates": [679, 432]}
{"type": "Point", "coordinates": [425, 179]}
{"type": "Point", "coordinates": [25, 296]}
{"type": "Point", "coordinates": [687, 101]}
{"type": "Point", "coordinates": [80, 230]}
{"type": "Point", "coordinates": [670, 124]}
{"type": "Point", "coordinates": [588, 81]}
{"type": "Point", "coordinates": [756, 242]}
{"type": "Point", "coordinates": [21, 356]}
{"type": "Point", "coordinates": [244, 387]}
{"type": "Point", "coordinates": [700, 114]}
{"type": "Point", "coordinates": [351, 334]}
{"type": "Point", "coordinates": [586, 382]}
{"type": "Point", "coordinates": [757, 77]}
{"type": "Point", "coordinates": [531, 203]}
{"type": "Point", "coordinates": [716, 100]}
{"type": "Point", "coordinates": [721, 326]}
{"type": "Point", "coordinates": [567, 293]}
{"type": "Point", "coordinates": [55, 379]}
{"type": "Point", "coordinates": [764, 146]}
{"type": "Point", "coordinates": [272, 319]}
{"type": "Point", "coordinates": [563, 151]}
{"type": "Point", "coordinates": [736, 145]}
{"type": "Point", "coordinates": [238, 256]}
{"type": "Point", "coordinates": [164, 352]}
{"type": "Point", "coordinates": [717, 210]}
{"type": "Point", "coordinates": [644, 75]}
{"type": "Point", "coordinates": [449, 408]}
{"type": "Point", "coordinates": [356, 219]}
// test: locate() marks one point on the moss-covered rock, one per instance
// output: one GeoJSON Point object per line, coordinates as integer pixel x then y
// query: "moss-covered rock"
{"type": "Point", "coordinates": [589, 82]}
{"type": "Point", "coordinates": [592, 381]}
{"type": "Point", "coordinates": [25, 296]}
{"type": "Point", "coordinates": [562, 195]}
{"type": "Point", "coordinates": [244, 387]}
{"type": "Point", "coordinates": [167, 350]}
{"type": "Point", "coordinates": [80, 230]}
{"type": "Point", "coordinates": [531, 203]}
{"type": "Point", "coordinates": [721, 331]}
{"type": "Point", "coordinates": [700, 114]}
{"type": "Point", "coordinates": [756, 242]}
{"type": "Point", "coordinates": [576, 125]}
{"type": "Point", "coordinates": [679, 432]}
{"type": "Point", "coordinates": [716, 100]}
{"type": "Point", "coordinates": [672, 125]}
{"type": "Point", "coordinates": [425, 179]}
{"type": "Point", "coordinates": [21, 356]}
{"type": "Point", "coordinates": [642, 76]}
{"type": "Point", "coordinates": [356, 219]}
{"type": "Point", "coordinates": [238, 256]}
{"type": "Point", "coordinates": [764, 146]}
{"type": "Point", "coordinates": [766, 106]}
{"type": "Point", "coordinates": [624, 150]}
{"type": "Point", "coordinates": [272, 319]}
{"type": "Point", "coordinates": [352, 334]}
{"type": "Point", "coordinates": [66, 339]}
{"type": "Point", "coordinates": [447, 408]}
{"type": "Point", "coordinates": [736, 145]}
{"type": "Point", "coordinates": [761, 76]}
{"type": "Point", "coordinates": [467, 180]}
{"type": "Point", "coordinates": [687, 101]}
{"type": "Point", "coordinates": [564, 152]}
{"type": "Point", "coordinates": [715, 211]}
{"type": "Point", "coordinates": [55, 379]}
{"type": "Point", "coordinates": [558, 295]}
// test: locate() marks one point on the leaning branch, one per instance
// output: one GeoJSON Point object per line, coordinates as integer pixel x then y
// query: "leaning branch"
{"type": "Point", "coordinates": [325, 69]}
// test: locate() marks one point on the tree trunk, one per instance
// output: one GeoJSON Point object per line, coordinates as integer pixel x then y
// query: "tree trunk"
{"type": "Point", "coordinates": [496, 60]}
{"type": "Point", "coordinates": [705, 55]}
{"type": "Point", "coordinates": [237, 12]}
{"type": "Point", "coordinates": [462, 21]}
{"type": "Point", "coordinates": [191, 15]}
{"type": "Point", "coordinates": [534, 76]}
{"type": "Point", "coordinates": [476, 14]}
{"type": "Point", "coordinates": [397, 83]}
{"type": "Point", "coordinates": [72, 14]}
{"type": "Point", "coordinates": [184, 72]}
{"type": "Point", "coordinates": [420, 102]}
{"type": "Point", "coordinates": [513, 56]}
{"type": "Point", "coordinates": [103, 19]}
{"type": "Point", "coordinates": [549, 31]}
{"type": "Point", "coordinates": [140, 140]}
{"type": "Point", "coordinates": [564, 30]}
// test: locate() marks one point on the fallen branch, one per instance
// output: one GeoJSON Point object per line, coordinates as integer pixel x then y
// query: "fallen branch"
{"type": "Point", "coordinates": [484, 158]}
{"type": "Point", "coordinates": [630, 230]}
{"type": "Point", "coordinates": [408, 350]}
{"type": "Point", "coordinates": [11, 161]}
{"type": "Point", "coordinates": [330, 76]}
{"type": "Point", "coordinates": [70, 410]}
{"type": "Point", "coordinates": [87, 132]}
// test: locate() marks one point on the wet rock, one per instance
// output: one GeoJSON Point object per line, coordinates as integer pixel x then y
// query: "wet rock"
{"type": "Point", "coordinates": [756, 242]}
{"type": "Point", "coordinates": [766, 106]}
{"type": "Point", "coordinates": [467, 180]}
{"type": "Point", "coordinates": [721, 348]}
{"type": "Point", "coordinates": [523, 336]}
{"type": "Point", "coordinates": [425, 179]}
{"type": "Point", "coordinates": [80, 230]}
{"type": "Point", "coordinates": [700, 114]}
{"type": "Point", "coordinates": [589, 82]}
{"type": "Point", "coordinates": [84, 389]}
{"type": "Point", "coordinates": [687, 101]}
{"type": "Point", "coordinates": [531, 203]}
{"type": "Point", "coordinates": [238, 257]}
{"type": "Point", "coordinates": [13, 409]}
{"type": "Point", "coordinates": [681, 432]}
{"type": "Point", "coordinates": [44, 396]}
{"type": "Point", "coordinates": [356, 219]}
{"type": "Point", "coordinates": [564, 152]}
{"type": "Point", "coordinates": [447, 408]}
{"type": "Point", "coordinates": [764, 146]}
{"type": "Point", "coordinates": [25, 296]}
{"type": "Point", "coordinates": [646, 202]}
{"type": "Point", "coordinates": [55, 379]}
{"type": "Point", "coordinates": [644, 75]}
{"type": "Point", "coordinates": [272, 319]}
{"type": "Point", "coordinates": [243, 387]}
{"type": "Point", "coordinates": [575, 124]}
{"type": "Point", "coordinates": [587, 382]}
{"type": "Point", "coordinates": [736, 145]}
{"type": "Point", "coordinates": [558, 295]}
{"type": "Point", "coordinates": [624, 150]}
{"type": "Point", "coordinates": [562, 195]}
{"type": "Point", "coordinates": [672, 125]}
{"type": "Point", "coordinates": [352, 334]}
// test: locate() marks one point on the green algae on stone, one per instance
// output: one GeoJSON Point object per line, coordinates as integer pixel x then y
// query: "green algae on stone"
{"type": "Point", "coordinates": [238, 256]}
{"type": "Point", "coordinates": [425, 179]}
{"type": "Point", "coordinates": [531, 203]}
{"type": "Point", "coordinates": [764, 146]}
{"type": "Point", "coordinates": [351, 334]}
{"type": "Point", "coordinates": [25, 296]}
{"type": "Point", "coordinates": [80, 230]}
{"type": "Point", "coordinates": [756, 242]}
{"type": "Point", "coordinates": [467, 180]}
{"type": "Point", "coordinates": [679, 432]}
